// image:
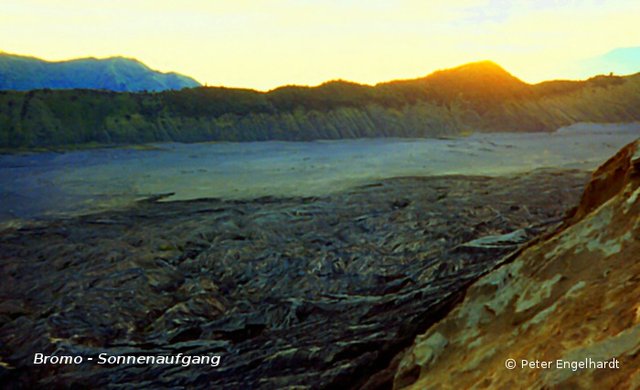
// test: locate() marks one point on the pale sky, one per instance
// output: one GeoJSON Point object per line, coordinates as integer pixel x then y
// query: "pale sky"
{"type": "Point", "coordinates": [268, 43]}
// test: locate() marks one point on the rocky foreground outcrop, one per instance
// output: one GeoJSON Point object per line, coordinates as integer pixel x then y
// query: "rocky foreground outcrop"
{"type": "Point", "coordinates": [302, 292]}
{"type": "Point", "coordinates": [573, 295]}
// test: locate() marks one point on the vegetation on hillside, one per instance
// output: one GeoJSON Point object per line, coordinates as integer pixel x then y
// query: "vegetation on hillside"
{"type": "Point", "coordinates": [474, 97]}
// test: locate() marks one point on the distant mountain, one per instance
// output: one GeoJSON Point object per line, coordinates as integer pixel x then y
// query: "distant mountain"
{"type": "Point", "coordinates": [476, 97]}
{"type": "Point", "coordinates": [620, 61]}
{"type": "Point", "coordinates": [115, 74]}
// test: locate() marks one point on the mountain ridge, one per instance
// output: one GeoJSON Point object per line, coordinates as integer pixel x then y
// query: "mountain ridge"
{"type": "Point", "coordinates": [118, 73]}
{"type": "Point", "coordinates": [479, 96]}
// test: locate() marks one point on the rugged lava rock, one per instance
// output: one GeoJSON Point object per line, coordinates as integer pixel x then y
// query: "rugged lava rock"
{"type": "Point", "coordinates": [305, 292]}
{"type": "Point", "coordinates": [573, 295]}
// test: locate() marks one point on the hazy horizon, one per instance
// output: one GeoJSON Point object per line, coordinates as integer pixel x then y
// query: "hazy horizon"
{"type": "Point", "coordinates": [281, 42]}
{"type": "Point", "coordinates": [600, 62]}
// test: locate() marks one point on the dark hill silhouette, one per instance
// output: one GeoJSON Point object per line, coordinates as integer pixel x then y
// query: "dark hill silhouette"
{"type": "Point", "coordinates": [479, 96]}
{"type": "Point", "coordinates": [480, 83]}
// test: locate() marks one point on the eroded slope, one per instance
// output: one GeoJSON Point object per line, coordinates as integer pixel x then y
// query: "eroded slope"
{"type": "Point", "coordinates": [571, 296]}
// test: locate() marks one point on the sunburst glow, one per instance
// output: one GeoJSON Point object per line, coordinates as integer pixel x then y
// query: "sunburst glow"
{"type": "Point", "coordinates": [263, 44]}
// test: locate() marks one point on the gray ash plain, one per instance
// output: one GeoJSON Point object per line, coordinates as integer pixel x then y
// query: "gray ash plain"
{"type": "Point", "coordinates": [312, 292]}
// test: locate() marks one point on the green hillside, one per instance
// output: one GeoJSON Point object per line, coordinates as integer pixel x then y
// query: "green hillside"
{"type": "Point", "coordinates": [474, 97]}
{"type": "Point", "coordinates": [22, 73]}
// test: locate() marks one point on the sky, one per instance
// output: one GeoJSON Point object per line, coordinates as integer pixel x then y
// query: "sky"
{"type": "Point", "coordinates": [263, 44]}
